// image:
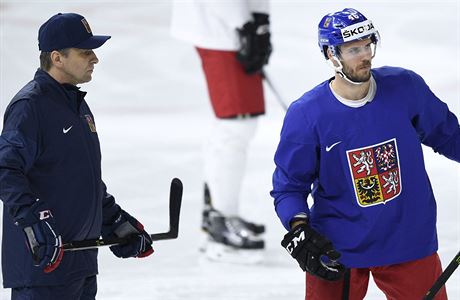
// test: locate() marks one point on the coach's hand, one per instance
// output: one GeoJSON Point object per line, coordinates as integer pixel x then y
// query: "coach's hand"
{"type": "Point", "coordinates": [314, 253]}
{"type": "Point", "coordinates": [124, 225]}
{"type": "Point", "coordinates": [42, 237]}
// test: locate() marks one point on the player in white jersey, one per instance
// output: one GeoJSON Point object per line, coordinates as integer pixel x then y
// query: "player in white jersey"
{"type": "Point", "coordinates": [232, 39]}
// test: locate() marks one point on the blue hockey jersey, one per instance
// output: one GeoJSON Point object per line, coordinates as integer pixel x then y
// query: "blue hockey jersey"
{"type": "Point", "coordinates": [364, 168]}
{"type": "Point", "coordinates": [49, 149]}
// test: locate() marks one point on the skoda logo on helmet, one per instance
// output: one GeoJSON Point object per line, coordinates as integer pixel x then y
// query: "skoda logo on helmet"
{"type": "Point", "coordinates": [357, 31]}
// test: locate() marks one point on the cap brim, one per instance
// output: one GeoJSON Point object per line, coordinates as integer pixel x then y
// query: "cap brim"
{"type": "Point", "coordinates": [93, 42]}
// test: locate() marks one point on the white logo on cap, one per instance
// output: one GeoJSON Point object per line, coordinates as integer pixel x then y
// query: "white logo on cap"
{"type": "Point", "coordinates": [85, 23]}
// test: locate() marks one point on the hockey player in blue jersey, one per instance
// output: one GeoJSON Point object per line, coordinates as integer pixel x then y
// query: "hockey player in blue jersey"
{"type": "Point", "coordinates": [354, 143]}
{"type": "Point", "coordinates": [50, 174]}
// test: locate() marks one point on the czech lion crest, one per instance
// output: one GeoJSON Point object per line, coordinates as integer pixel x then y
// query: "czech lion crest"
{"type": "Point", "coordinates": [376, 173]}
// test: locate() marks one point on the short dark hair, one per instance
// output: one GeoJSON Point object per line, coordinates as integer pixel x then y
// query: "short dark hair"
{"type": "Point", "coordinates": [45, 58]}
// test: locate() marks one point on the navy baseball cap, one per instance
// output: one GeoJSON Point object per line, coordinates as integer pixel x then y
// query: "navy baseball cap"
{"type": "Point", "coordinates": [68, 30]}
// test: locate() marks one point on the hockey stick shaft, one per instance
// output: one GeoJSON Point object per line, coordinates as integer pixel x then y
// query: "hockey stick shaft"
{"type": "Point", "coordinates": [443, 278]}
{"type": "Point", "coordinates": [274, 90]}
{"type": "Point", "coordinates": [175, 200]}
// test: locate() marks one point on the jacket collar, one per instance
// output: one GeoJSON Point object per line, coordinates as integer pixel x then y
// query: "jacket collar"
{"type": "Point", "coordinates": [71, 93]}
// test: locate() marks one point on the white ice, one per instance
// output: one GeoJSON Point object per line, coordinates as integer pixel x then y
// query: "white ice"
{"type": "Point", "coordinates": [149, 98]}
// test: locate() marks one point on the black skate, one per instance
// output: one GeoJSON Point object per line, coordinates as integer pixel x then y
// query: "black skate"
{"type": "Point", "coordinates": [230, 231]}
{"type": "Point", "coordinates": [253, 228]}
{"type": "Point", "coordinates": [230, 238]}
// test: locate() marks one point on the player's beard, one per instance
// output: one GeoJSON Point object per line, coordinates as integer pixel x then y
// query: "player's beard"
{"type": "Point", "coordinates": [362, 73]}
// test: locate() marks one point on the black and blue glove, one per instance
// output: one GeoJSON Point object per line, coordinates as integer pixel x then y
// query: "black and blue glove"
{"type": "Point", "coordinates": [255, 46]}
{"type": "Point", "coordinates": [43, 240]}
{"type": "Point", "coordinates": [124, 225]}
{"type": "Point", "coordinates": [314, 253]}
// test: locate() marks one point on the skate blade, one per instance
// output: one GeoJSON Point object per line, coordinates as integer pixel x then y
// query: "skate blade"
{"type": "Point", "coordinates": [217, 252]}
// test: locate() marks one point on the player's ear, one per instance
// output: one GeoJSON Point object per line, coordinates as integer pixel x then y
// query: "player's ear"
{"type": "Point", "coordinates": [332, 58]}
{"type": "Point", "coordinates": [329, 53]}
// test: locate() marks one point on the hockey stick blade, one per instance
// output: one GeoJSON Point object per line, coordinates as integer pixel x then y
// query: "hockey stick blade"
{"type": "Point", "coordinates": [175, 201]}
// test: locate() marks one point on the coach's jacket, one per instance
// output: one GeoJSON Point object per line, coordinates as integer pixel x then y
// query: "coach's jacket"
{"type": "Point", "coordinates": [49, 150]}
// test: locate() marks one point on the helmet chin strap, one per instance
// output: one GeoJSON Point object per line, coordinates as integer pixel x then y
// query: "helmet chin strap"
{"type": "Point", "coordinates": [339, 70]}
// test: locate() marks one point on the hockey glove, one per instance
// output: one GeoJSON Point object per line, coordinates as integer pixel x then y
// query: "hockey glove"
{"type": "Point", "coordinates": [43, 240]}
{"type": "Point", "coordinates": [311, 249]}
{"type": "Point", "coordinates": [124, 225]}
{"type": "Point", "coordinates": [255, 46]}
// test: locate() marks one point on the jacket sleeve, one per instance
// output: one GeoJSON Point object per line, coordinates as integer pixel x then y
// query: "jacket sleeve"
{"type": "Point", "coordinates": [19, 148]}
{"type": "Point", "coordinates": [435, 124]}
{"type": "Point", "coordinates": [109, 207]}
{"type": "Point", "coordinates": [296, 160]}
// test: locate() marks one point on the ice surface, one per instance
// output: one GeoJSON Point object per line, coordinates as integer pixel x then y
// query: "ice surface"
{"type": "Point", "coordinates": [148, 95]}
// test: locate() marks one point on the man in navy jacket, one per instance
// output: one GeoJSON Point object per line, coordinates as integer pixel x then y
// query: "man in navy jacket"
{"type": "Point", "coordinates": [50, 174]}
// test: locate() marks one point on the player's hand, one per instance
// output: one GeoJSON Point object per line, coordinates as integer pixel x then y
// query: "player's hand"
{"type": "Point", "coordinates": [43, 240]}
{"type": "Point", "coordinates": [124, 225]}
{"type": "Point", "coordinates": [255, 46]}
{"type": "Point", "coordinates": [314, 253]}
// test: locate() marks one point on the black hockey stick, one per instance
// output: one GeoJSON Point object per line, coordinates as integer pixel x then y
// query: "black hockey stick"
{"type": "Point", "coordinates": [175, 200]}
{"type": "Point", "coordinates": [274, 90]}
{"type": "Point", "coordinates": [443, 278]}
